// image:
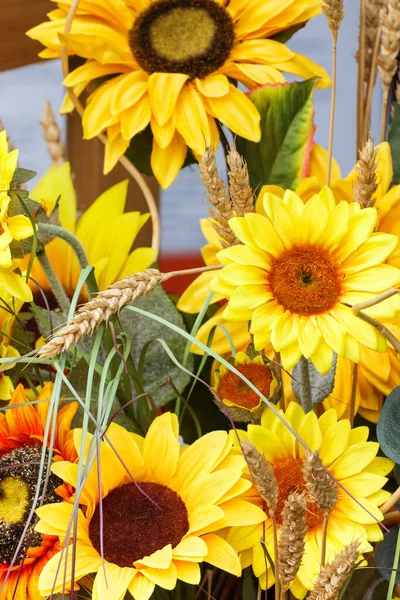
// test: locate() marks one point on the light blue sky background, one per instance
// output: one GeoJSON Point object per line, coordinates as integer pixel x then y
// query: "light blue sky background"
{"type": "Point", "coordinates": [23, 92]}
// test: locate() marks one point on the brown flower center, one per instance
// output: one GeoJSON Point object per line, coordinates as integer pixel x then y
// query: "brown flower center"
{"type": "Point", "coordinates": [290, 479]}
{"type": "Point", "coordinates": [19, 471]}
{"type": "Point", "coordinates": [194, 37]}
{"type": "Point", "coordinates": [306, 280]}
{"type": "Point", "coordinates": [234, 389]}
{"type": "Point", "coordinates": [133, 527]}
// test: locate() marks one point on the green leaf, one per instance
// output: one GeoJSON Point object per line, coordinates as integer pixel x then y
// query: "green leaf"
{"type": "Point", "coordinates": [22, 176]}
{"type": "Point", "coordinates": [157, 365]}
{"type": "Point", "coordinates": [287, 133]}
{"type": "Point", "coordinates": [385, 554]}
{"type": "Point", "coordinates": [394, 142]}
{"type": "Point", "coordinates": [307, 380]}
{"type": "Point", "coordinates": [388, 428]}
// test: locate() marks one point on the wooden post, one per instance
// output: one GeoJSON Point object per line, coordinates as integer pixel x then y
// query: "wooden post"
{"type": "Point", "coordinates": [16, 17]}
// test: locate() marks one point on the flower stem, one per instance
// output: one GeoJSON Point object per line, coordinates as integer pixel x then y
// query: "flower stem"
{"type": "Point", "coordinates": [70, 238]}
{"type": "Point", "coordinates": [324, 536]}
{"type": "Point", "coordinates": [394, 498]}
{"type": "Point", "coordinates": [361, 75]}
{"type": "Point", "coordinates": [333, 106]}
{"type": "Point", "coordinates": [276, 556]}
{"type": "Point", "coordinates": [306, 397]}
{"type": "Point", "coordinates": [384, 113]}
{"type": "Point", "coordinates": [353, 394]}
{"type": "Point", "coordinates": [56, 286]}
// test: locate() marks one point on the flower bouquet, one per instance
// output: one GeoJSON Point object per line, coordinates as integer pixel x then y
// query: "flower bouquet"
{"type": "Point", "coordinates": [242, 440]}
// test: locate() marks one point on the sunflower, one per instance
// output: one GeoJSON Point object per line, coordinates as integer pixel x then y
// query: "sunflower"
{"type": "Point", "coordinates": [22, 431]}
{"type": "Point", "coordinates": [170, 64]}
{"type": "Point", "coordinates": [297, 271]}
{"type": "Point", "coordinates": [352, 461]}
{"type": "Point", "coordinates": [244, 404]}
{"type": "Point", "coordinates": [107, 246]}
{"type": "Point", "coordinates": [17, 227]}
{"type": "Point", "coordinates": [182, 496]}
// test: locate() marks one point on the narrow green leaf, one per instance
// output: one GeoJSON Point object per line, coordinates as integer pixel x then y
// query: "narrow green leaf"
{"type": "Point", "coordinates": [394, 141]}
{"type": "Point", "coordinates": [287, 134]}
{"type": "Point", "coordinates": [388, 428]}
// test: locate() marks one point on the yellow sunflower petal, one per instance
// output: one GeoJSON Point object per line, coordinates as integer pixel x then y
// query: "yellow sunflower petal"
{"type": "Point", "coordinates": [334, 442]}
{"type": "Point", "coordinates": [222, 555]}
{"type": "Point", "coordinates": [354, 459]}
{"type": "Point", "coordinates": [167, 162]}
{"type": "Point", "coordinates": [164, 90]}
{"type": "Point", "coordinates": [112, 581]}
{"type": "Point", "coordinates": [238, 113]}
{"type": "Point", "coordinates": [188, 572]}
{"type": "Point", "coordinates": [141, 588]}
{"type": "Point", "coordinates": [161, 449]}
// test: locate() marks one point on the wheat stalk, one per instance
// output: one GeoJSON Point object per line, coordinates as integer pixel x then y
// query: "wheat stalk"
{"type": "Point", "coordinates": [242, 195]}
{"type": "Point", "coordinates": [52, 135]}
{"type": "Point", "coordinates": [389, 51]}
{"type": "Point", "coordinates": [292, 538]}
{"type": "Point", "coordinates": [366, 184]}
{"type": "Point", "coordinates": [333, 576]}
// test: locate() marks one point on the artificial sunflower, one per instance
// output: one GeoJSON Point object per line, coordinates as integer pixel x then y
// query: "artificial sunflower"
{"type": "Point", "coordinates": [159, 516]}
{"type": "Point", "coordinates": [170, 64]}
{"type": "Point", "coordinates": [297, 271]}
{"type": "Point", "coordinates": [21, 436]}
{"type": "Point", "coordinates": [241, 401]}
{"type": "Point", "coordinates": [9, 309]}
{"type": "Point", "coordinates": [17, 227]}
{"type": "Point", "coordinates": [352, 461]}
{"type": "Point", "coordinates": [107, 248]}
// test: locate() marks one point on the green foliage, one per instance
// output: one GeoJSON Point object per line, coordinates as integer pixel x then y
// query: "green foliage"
{"type": "Point", "coordinates": [285, 35]}
{"type": "Point", "coordinates": [157, 366]}
{"type": "Point", "coordinates": [318, 386]}
{"type": "Point", "coordinates": [388, 428]}
{"type": "Point", "coordinates": [22, 176]}
{"type": "Point", "coordinates": [287, 130]}
{"type": "Point", "coordinates": [385, 555]}
{"type": "Point", "coordinates": [394, 141]}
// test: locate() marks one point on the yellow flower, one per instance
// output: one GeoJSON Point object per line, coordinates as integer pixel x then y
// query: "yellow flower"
{"type": "Point", "coordinates": [160, 512]}
{"type": "Point", "coordinates": [297, 271]}
{"type": "Point", "coordinates": [352, 461]}
{"type": "Point", "coordinates": [243, 403]}
{"type": "Point", "coordinates": [170, 64]}
{"type": "Point", "coordinates": [104, 230]}
{"type": "Point", "coordinates": [17, 227]}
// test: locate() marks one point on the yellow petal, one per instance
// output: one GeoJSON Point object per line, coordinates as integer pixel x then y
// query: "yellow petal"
{"type": "Point", "coordinates": [286, 331]}
{"type": "Point", "coordinates": [167, 162]}
{"type": "Point", "coordinates": [222, 555]}
{"type": "Point", "coordinates": [163, 134]}
{"type": "Point", "coordinates": [129, 91]}
{"type": "Point", "coordinates": [354, 459]}
{"type": "Point", "coordinates": [188, 572]}
{"type": "Point", "coordinates": [115, 148]}
{"type": "Point", "coordinates": [161, 449]}
{"type": "Point", "coordinates": [310, 433]}
{"type": "Point", "coordinates": [335, 441]}
{"type": "Point", "coordinates": [193, 298]}
{"type": "Point", "coordinates": [165, 578]}
{"type": "Point", "coordinates": [112, 581]}
{"type": "Point", "coordinates": [238, 113]}
{"type": "Point", "coordinates": [164, 90]}
{"type": "Point", "coordinates": [161, 559]}
{"type": "Point", "coordinates": [141, 588]}
{"type": "Point", "coordinates": [57, 183]}
{"type": "Point", "coordinates": [16, 286]}
{"type": "Point", "coordinates": [192, 120]}
{"type": "Point", "coordinates": [20, 227]}
{"type": "Point", "coordinates": [213, 86]}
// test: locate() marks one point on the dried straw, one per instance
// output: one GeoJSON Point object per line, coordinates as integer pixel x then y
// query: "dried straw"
{"type": "Point", "coordinates": [333, 10]}
{"type": "Point", "coordinates": [291, 541]}
{"type": "Point", "coordinates": [333, 576]}
{"type": "Point", "coordinates": [262, 474]}
{"type": "Point", "coordinates": [372, 12]}
{"type": "Point", "coordinates": [218, 196]}
{"type": "Point", "coordinates": [366, 184]}
{"type": "Point", "coordinates": [390, 42]}
{"type": "Point", "coordinates": [52, 135]}
{"type": "Point", "coordinates": [320, 486]}
{"type": "Point", "coordinates": [100, 309]}
{"type": "Point", "coordinates": [239, 184]}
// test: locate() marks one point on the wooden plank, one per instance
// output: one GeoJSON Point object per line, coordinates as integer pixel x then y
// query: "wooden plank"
{"type": "Point", "coordinates": [86, 157]}
{"type": "Point", "coordinates": [16, 17]}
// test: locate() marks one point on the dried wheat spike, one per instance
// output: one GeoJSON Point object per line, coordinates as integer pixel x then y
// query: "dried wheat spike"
{"type": "Point", "coordinates": [320, 486]}
{"type": "Point", "coordinates": [52, 135]}
{"type": "Point", "coordinates": [239, 184]}
{"type": "Point", "coordinates": [291, 540]}
{"type": "Point", "coordinates": [333, 576]}
{"type": "Point", "coordinates": [390, 42]}
{"type": "Point", "coordinates": [333, 10]}
{"type": "Point", "coordinates": [100, 309]}
{"type": "Point", "coordinates": [218, 196]}
{"type": "Point", "coordinates": [372, 12]}
{"type": "Point", "coordinates": [262, 474]}
{"type": "Point", "coordinates": [365, 186]}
